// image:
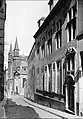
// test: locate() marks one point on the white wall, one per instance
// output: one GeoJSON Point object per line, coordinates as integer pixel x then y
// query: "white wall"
{"type": "Point", "coordinates": [23, 74]}
{"type": "Point", "coordinates": [21, 84]}
{"type": "Point", "coordinates": [16, 83]}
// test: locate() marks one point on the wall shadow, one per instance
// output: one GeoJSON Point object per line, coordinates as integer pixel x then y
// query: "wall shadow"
{"type": "Point", "coordinates": [13, 110]}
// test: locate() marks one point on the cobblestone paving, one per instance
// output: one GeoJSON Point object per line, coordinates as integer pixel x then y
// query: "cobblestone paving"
{"type": "Point", "coordinates": [12, 110]}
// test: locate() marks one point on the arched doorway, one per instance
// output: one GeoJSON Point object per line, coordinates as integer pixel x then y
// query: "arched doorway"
{"type": "Point", "coordinates": [69, 92]}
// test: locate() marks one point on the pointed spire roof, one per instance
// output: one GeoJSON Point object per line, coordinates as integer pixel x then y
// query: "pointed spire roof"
{"type": "Point", "coordinates": [10, 50]}
{"type": "Point", "coordinates": [16, 45]}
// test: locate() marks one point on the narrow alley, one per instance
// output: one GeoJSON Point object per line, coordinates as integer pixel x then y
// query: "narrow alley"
{"type": "Point", "coordinates": [16, 107]}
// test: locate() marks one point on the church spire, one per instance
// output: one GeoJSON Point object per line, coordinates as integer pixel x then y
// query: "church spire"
{"type": "Point", "coordinates": [16, 49]}
{"type": "Point", "coordinates": [10, 53]}
{"type": "Point", "coordinates": [10, 50]}
{"type": "Point", "coordinates": [16, 45]}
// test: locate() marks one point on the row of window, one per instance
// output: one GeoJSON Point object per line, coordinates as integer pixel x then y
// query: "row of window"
{"type": "Point", "coordinates": [54, 73]}
{"type": "Point", "coordinates": [69, 66]}
{"type": "Point", "coordinates": [71, 23]}
{"type": "Point", "coordinates": [47, 47]}
{"type": "Point", "coordinates": [52, 77]}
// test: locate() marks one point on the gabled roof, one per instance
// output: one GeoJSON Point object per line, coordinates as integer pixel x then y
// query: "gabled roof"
{"type": "Point", "coordinates": [50, 16]}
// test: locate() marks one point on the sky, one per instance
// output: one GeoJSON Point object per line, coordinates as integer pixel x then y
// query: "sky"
{"type": "Point", "coordinates": [21, 22]}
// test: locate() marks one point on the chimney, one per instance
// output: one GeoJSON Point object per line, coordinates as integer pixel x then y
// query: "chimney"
{"type": "Point", "coordinates": [40, 21]}
{"type": "Point", "coordinates": [50, 3]}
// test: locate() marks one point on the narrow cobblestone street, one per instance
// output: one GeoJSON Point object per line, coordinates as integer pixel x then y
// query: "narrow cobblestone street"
{"type": "Point", "coordinates": [13, 110]}
{"type": "Point", "coordinates": [17, 108]}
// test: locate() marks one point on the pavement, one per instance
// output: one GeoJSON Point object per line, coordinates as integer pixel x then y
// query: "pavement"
{"type": "Point", "coordinates": [61, 114]}
{"type": "Point", "coordinates": [26, 110]}
{"type": "Point", "coordinates": [19, 106]}
{"type": "Point", "coordinates": [2, 109]}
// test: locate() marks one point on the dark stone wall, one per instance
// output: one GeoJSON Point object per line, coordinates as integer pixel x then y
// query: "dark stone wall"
{"type": "Point", "coordinates": [2, 34]}
{"type": "Point", "coordinates": [47, 101]}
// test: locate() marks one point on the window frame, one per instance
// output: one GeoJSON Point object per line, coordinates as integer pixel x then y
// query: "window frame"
{"type": "Point", "coordinates": [59, 34]}
{"type": "Point", "coordinates": [71, 23]}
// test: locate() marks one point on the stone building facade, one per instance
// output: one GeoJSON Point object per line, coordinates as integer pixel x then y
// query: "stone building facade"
{"type": "Point", "coordinates": [58, 58]}
{"type": "Point", "coordinates": [2, 34]}
{"type": "Point", "coordinates": [30, 84]}
{"type": "Point", "coordinates": [17, 70]}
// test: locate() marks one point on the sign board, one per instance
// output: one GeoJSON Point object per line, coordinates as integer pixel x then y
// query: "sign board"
{"type": "Point", "coordinates": [70, 50]}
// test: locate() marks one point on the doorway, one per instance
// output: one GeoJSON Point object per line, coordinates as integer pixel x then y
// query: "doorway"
{"type": "Point", "coordinates": [69, 92]}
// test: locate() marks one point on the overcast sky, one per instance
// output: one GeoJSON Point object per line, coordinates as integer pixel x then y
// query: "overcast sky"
{"type": "Point", "coordinates": [21, 22]}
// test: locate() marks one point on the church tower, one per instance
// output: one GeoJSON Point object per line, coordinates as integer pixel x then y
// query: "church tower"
{"type": "Point", "coordinates": [16, 59]}
{"type": "Point", "coordinates": [10, 65]}
{"type": "Point", "coordinates": [10, 53]}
